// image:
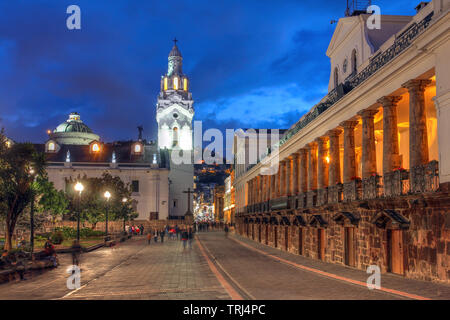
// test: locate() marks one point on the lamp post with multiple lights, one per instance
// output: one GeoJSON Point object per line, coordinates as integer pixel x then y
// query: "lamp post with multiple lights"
{"type": "Point", "coordinates": [79, 188]}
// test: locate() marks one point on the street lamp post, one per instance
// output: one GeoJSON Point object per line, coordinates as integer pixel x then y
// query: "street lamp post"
{"type": "Point", "coordinates": [32, 215]}
{"type": "Point", "coordinates": [124, 200]}
{"type": "Point", "coordinates": [107, 196]}
{"type": "Point", "coordinates": [79, 187]}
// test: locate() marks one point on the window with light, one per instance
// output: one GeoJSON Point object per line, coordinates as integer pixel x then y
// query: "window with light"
{"type": "Point", "coordinates": [137, 148]}
{"type": "Point", "coordinates": [51, 146]}
{"type": "Point", "coordinates": [185, 84]}
{"type": "Point", "coordinates": [175, 83]}
{"type": "Point", "coordinates": [165, 84]}
{"type": "Point", "coordinates": [95, 147]}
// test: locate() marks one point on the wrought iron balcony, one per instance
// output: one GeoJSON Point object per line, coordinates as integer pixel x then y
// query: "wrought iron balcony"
{"type": "Point", "coordinates": [335, 193]}
{"type": "Point", "coordinates": [353, 190]}
{"type": "Point", "coordinates": [311, 198]}
{"type": "Point", "coordinates": [425, 178]}
{"type": "Point", "coordinates": [396, 183]}
{"type": "Point", "coordinates": [372, 187]}
{"type": "Point", "coordinates": [322, 197]}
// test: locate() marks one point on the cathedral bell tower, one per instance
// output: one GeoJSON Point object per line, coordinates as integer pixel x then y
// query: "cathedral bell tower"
{"type": "Point", "coordinates": [174, 109]}
{"type": "Point", "coordinates": [174, 113]}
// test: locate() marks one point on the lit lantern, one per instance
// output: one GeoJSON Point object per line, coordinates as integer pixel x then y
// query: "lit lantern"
{"type": "Point", "coordinates": [327, 159]}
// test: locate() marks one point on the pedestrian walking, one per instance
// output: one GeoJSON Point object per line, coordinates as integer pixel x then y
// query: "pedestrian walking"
{"type": "Point", "coordinates": [161, 234]}
{"type": "Point", "coordinates": [184, 238]}
{"type": "Point", "coordinates": [76, 252]}
{"type": "Point", "coordinates": [226, 230]}
{"type": "Point", "coordinates": [155, 236]}
{"type": "Point", "coordinates": [190, 237]}
{"type": "Point", "coordinates": [142, 229]}
{"type": "Point", "coordinates": [149, 237]}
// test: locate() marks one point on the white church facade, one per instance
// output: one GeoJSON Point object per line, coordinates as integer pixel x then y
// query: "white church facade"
{"type": "Point", "coordinates": [73, 150]}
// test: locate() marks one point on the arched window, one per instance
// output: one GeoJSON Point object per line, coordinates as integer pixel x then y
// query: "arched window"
{"type": "Point", "coordinates": [51, 146]}
{"type": "Point", "coordinates": [336, 77]}
{"type": "Point", "coordinates": [175, 83]}
{"type": "Point", "coordinates": [95, 147]}
{"type": "Point", "coordinates": [354, 62]}
{"type": "Point", "coordinates": [137, 148]}
{"type": "Point", "coordinates": [175, 136]}
{"type": "Point", "coordinates": [185, 84]}
{"type": "Point", "coordinates": [165, 83]}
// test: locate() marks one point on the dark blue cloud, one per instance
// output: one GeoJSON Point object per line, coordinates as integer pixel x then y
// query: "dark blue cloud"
{"type": "Point", "coordinates": [252, 63]}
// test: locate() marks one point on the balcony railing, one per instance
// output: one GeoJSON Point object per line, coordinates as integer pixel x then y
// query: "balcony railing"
{"type": "Point", "coordinates": [393, 184]}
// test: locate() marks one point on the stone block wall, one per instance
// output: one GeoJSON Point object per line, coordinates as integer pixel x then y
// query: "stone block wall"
{"type": "Point", "coordinates": [425, 243]}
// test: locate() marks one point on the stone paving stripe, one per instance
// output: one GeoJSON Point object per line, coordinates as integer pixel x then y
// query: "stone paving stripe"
{"type": "Point", "coordinates": [330, 275]}
{"type": "Point", "coordinates": [230, 290]}
{"type": "Point", "coordinates": [227, 274]}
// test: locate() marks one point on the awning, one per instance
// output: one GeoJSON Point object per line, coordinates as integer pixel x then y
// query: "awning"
{"type": "Point", "coordinates": [285, 221]}
{"type": "Point", "coordinates": [392, 217]}
{"type": "Point", "coordinates": [343, 216]}
{"type": "Point", "coordinates": [318, 221]}
{"type": "Point", "coordinates": [299, 221]}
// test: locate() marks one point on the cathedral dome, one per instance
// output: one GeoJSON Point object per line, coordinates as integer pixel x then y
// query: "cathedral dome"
{"type": "Point", "coordinates": [73, 131]}
{"type": "Point", "coordinates": [73, 124]}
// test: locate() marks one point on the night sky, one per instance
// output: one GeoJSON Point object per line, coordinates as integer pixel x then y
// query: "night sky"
{"type": "Point", "coordinates": [259, 64]}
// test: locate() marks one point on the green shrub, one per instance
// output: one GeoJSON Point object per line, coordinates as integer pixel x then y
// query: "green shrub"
{"type": "Point", "coordinates": [57, 237]}
{"type": "Point", "coordinates": [71, 233]}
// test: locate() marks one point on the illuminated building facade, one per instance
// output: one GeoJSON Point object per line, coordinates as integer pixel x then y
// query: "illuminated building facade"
{"type": "Point", "coordinates": [363, 177]}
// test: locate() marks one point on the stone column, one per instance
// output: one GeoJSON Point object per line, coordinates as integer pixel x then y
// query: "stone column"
{"type": "Point", "coordinates": [282, 178]}
{"type": "Point", "coordinates": [334, 168]}
{"type": "Point", "coordinates": [391, 156]}
{"type": "Point", "coordinates": [369, 154]}
{"type": "Point", "coordinates": [312, 166]}
{"type": "Point", "coordinates": [295, 171]}
{"type": "Point", "coordinates": [418, 138]}
{"type": "Point", "coordinates": [349, 149]}
{"type": "Point", "coordinates": [303, 172]}
{"type": "Point", "coordinates": [322, 173]}
{"type": "Point", "coordinates": [272, 186]}
{"type": "Point", "coordinates": [277, 183]}
{"type": "Point", "coordinates": [288, 189]}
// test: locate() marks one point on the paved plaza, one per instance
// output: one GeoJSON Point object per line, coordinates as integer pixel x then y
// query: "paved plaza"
{"type": "Point", "coordinates": [215, 268]}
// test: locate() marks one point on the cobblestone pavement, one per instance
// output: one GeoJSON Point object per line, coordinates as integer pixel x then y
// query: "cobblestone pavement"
{"type": "Point", "coordinates": [131, 270]}
{"type": "Point", "coordinates": [263, 272]}
{"type": "Point", "coordinates": [215, 268]}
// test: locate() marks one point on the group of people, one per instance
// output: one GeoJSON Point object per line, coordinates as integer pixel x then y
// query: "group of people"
{"type": "Point", "coordinates": [135, 230]}
{"type": "Point", "coordinates": [174, 233]}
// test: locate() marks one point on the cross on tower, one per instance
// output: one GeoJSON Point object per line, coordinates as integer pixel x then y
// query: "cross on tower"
{"type": "Point", "coordinates": [175, 41]}
{"type": "Point", "coordinates": [189, 191]}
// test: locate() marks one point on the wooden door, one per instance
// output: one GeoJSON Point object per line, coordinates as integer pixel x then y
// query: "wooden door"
{"type": "Point", "coordinates": [396, 251]}
{"type": "Point", "coordinates": [267, 234]}
{"type": "Point", "coordinates": [275, 236]}
{"type": "Point", "coordinates": [300, 241]}
{"type": "Point", "coordinates": [321, 243]}
{"type": "Point", "coordinates": [349, 247]}
{"type": "Point", "coordinates": [286, 238]}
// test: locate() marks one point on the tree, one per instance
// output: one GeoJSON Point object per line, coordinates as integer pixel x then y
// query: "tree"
{"type": "Point", "coordinates": [19, 165]}
{"type": "Point", "coordinates": [51, 201]}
